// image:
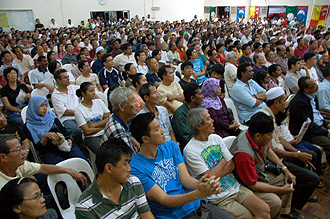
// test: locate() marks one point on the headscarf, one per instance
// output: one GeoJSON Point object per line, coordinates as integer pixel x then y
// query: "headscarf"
{"type": "Point", "coordinates": [36, 124]}
{"type": "Point", "coordinates": [209, 88]}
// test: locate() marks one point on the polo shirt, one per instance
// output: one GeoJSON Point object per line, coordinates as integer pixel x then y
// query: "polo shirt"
{"type": "Point", "coordinates": [25, 64]}
{"type": "Point", "coordinates": [36, 76]}
{"type": "Point", "coordinates": [110, 78]}
{"type": "Point", "coordinates": [70, 59]}
{"type": "Point", "coordinates": [323, 95]}
{"type": "Point", "coordinates": [242, 96]}
{"type": "Point", "coordinates": [93, 204]}
{"type": "Point", "coordinates": [122, 59]}
{"type": "Point", "coordinates": [243, 59]}
{"type": "Point", "coordinates": [97, 66]}
{"type": "Point", "coordinates": [153, 78]}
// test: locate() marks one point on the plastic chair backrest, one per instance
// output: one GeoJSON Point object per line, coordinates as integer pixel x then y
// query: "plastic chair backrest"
{"type": "Point", "coordinates": [73, 189]}
{"type": "Point", "coordinates": [40, 92]}
{"type": "Point", "coordinates": [229, 141]}
{"type": "Point", "coordinates": [29, 76]}
{"type": "Point", "coordinates": [68, 67]}
{"type": "Point", "coordinates": [106, 92]}
{"type": "Point", "coordinates": [102, 97]}
{"type": "Point", "coordinates": [226, 92]}
{"type": "Point", "coordinates": [23, 114]}
{"type": "Point", "coordinates": [230, 104]}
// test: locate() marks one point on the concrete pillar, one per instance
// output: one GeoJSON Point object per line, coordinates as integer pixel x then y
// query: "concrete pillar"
{"type": "Point", "coordinates": [247, 10]}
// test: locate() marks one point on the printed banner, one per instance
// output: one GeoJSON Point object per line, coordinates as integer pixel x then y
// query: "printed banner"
{"type": "Point", "coordinates": [255, 11]}
{"type": "Point", "coordinates": [276, 11]}
{"type": "Point", "coordinates": [302, 13]}
{"type": "Point", "coordinates": [291, 12]}
{"type": "Point", "coordinates": [240, 13]}
{"type": "Point", "coordinates": [319, 15]}
{"type": "Point", "coordinates": [213, 12]}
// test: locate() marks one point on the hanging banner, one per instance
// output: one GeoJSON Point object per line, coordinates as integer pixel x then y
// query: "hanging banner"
{"type": "Point", "coordinates": [302, 13]}
{"type": "Point", "coordinates": [319, 15]}
{"type": "Point", "coordinates": [291, 12]}
{"type": "Point", "coordinates": [213, 12]}
{"type": "Point", "coordinates": [276, 11]}
{"type": "Point", "coordinates": [240, 13]}
{"type": "Point", "coordinates": [254, 11]}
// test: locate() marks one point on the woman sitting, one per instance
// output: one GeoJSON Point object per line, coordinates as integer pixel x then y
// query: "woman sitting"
{"type": "Point", "coordinates": [44, 129]}
{"type": "Point", "coordinates": [91, 115]}
{"type": "Point", "coordinates": [14, 95]}
{"type": "Point", "coordinates": [139, 79]}
{"type": "Point", "coordinates": [224, 122]}
{"type": "Point", "coordinates": [22, 198]}
{"type": "Point", "coordinates": [86, 76]}
{"type": "Point", "coordinates": [262, 78]}
{"type": "Point", "coordinates": [275, 72]}
{"type": "Point", "coordinates": [130, 71]}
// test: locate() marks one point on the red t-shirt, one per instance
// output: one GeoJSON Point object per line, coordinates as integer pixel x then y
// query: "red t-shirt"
{"type": "Point", "coordinates": [245, 165]}
{"type": "Point", "coordinates": [222, 58]}
{"type": "Point", "coordinates": [299, 52]}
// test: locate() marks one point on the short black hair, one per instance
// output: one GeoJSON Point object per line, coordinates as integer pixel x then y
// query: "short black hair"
{"type": "Point", "coordinates": [308, 56]}
{"type": "Point", "coordinates": [189, 52]}
{"type": "Point", "coordinates": [81, 64]}
{"type": "Point", "coordinates": [4, 53]}
{"type": "Point", "coordinates": [4, 147]}
{"type": "Point", "coordinates": [125, 46]}
{"type": "Point", "coordinates": [52, 66]}
{"type": "Point", "coordinates": [302, 83]}
{"type": "Point", "coordinates": [145, 90]}
{"type": "Point", "coordinates": [242, 68]}
{"type": "Point", "coordinates": [189, 90]}
{"type": "Point", "coordinates": [57, 74]}
{"type": "Point", "coordinates": [258, 122]}
{"type": "Point", "coordinates": [105, 56]}
{"type": "Point", "coordinates": [137, 53]}
{"type": "Point", "coordinates": [136, 78]}
{"type": "Point", "coordinates": [110, 151]}
{"type": "Point", "coordinates": [293, 61]}
{"type": "Point", "coordinates": [272, 69]}
{"type": "Point", "coordinates": [245, 46]}
{"type": "Point", "coordinates": [186, 63]}
{"type": "Point", "coordinates": [40, 58]}
{"type": "Point", "coordinates": [140, 126]}
{"type": "Point", "coordinates": [218, 68]}
{"type": "Point", "coordinates": [7, 70]}
{"type": "Point", "coordinates": [163, 71]}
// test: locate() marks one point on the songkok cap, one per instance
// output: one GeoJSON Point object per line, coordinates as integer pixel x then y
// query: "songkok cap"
{"type": "Point", "coordinates": [274, 93]}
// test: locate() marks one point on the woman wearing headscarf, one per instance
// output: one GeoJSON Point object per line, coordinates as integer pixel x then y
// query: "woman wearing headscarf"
{"type": "Point", "coordinates": [44, 129]}
{"type": "Point", "coordinates": [224, 122]}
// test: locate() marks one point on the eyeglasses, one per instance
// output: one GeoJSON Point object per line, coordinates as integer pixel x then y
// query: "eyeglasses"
{"type": "Point", "coordinates": [19, 149]}
{"type": "Point", "coordinates": [37, 198]}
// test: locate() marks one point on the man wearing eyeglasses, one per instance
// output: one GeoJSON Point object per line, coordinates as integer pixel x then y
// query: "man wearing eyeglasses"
{"type": "Point", "coordinates": [13, 164]}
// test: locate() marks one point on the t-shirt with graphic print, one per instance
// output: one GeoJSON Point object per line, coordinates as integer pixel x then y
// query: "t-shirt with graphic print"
{"type": "Point", "coordinates": [201, 156]}
{"type": "Point", "coordinates": [164, 172]}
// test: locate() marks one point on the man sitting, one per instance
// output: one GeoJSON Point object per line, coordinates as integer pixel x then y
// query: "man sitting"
{"type": "Point", "coordinates": [152, 75]}
{"type": "Point", "coordinates": [114, 192]}
{"type": "Point", "coordinates": [110, 75]}
{"type": "Point", "coordinates": [323, 94]}
{"type": "Point", "coordinates": [98, 64]}
{"type": "Point", "coordinates": [150, 96]}
{"type": "Point", "coordinates": [40, 74]}
{"type": "Point", "coordinates": [231, 70]}
{"type": "Point", "coordinates": [171, 93]}
{"type": "Point", "coordinates": [126, 57]}
{"type": "Point", "coordinates": [193, 98]}
{"type": "Point", "coordinates": [250, 150]}
{"type": "Point", "coordinates": [207, 154]}
{"type": "Point", "coordinates": [170, 190]}
{"type": "Point", "coordinates": [304, 106]}
{"type": "Point", "coordinates": [69, 57]}
{"type": "Point", "coordinates": [247, 95]}
{"type": "Point", "coordinates": [246, 54]}
{"type": "Point", "coordinates": [124, 108]}
{"type": "Point", "coordinates": [259, 62]}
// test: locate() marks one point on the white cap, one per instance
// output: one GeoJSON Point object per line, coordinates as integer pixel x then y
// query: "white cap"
{"type": "Point", "coordinates": [274, 93]}
{"type": "Point", "coordinates": [281, 38]}
{"type": "Point", "coordinates": [272, 38]}
{"type": "Point", "coordinates": [98, 49]}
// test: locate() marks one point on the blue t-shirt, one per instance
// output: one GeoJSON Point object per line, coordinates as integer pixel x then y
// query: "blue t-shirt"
{"type": "Point", "coordinates": [110, 78]}
{"type": "Point", "coordinates": [164, 172]}
{"type": "Point", "coordinates": [97, 66]}
{"type": "Point", "coordinates": [198, 67]}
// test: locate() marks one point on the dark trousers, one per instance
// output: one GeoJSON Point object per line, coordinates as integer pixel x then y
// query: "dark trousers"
{"type": "Point", "coordinates": [306, 182]}
{"type": "Point", "coordinates": [213, 213]}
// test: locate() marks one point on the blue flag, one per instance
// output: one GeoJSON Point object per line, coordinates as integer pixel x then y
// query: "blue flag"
{"type": "Point", "coordinates": [240, 13]}
{"type": "Point", "coordinates": [302, 13]}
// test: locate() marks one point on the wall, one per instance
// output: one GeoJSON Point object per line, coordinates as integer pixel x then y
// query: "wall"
{"type": "Point", "coordinates": [79, 10]}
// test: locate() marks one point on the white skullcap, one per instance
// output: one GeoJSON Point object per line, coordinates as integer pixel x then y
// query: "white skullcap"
{"type": "Point", "coordinates": [274, 93]}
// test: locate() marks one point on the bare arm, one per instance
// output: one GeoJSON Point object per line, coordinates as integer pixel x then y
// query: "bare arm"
{"type": "Point", "coordinates": [169, 106]}
{"type": "Point", "coordinates": [99, 87]}
{"type": "Point", "coordinates": [6, 103]}
{"type": "Point", "coordinates": [147, 215]}
{"type": "Point", "coordinates": [68, 112]}
{"type": "Point", "coordinates": [222, 169]}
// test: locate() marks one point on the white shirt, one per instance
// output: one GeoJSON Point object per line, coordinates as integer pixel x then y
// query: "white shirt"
{"type": "Point", "coordinates": [62, 101]}
{"type": "Point", "coordinates": [312, 73]}
{"type": "Point", "coordinates": [142, 68]}
{"type": "Point", "coordinates": [121, 60]}
{"type": "Point", "coordinates": [85, 115]}
{"type": "Point", "coordinates": [37, 76]}
{"type": "Point", "coordinates": [199, 157]}
{"type": "Point", "coordinates": [230, 76]}
{"type": "Point", "coordinates": [53, 26]}
{"type": "Point", "coordinates": [25, 64]}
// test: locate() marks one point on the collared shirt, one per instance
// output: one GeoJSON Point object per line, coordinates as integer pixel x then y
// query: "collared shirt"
{"type": "Point", "coordinates": [180, 127]}
{"type": "Point", "coordinates": [37, 75]}
{"type": "Point", "coordinates": [291, 79]}
{"type": "Point", "coordinates": [283, 63]}
{"type": "Point", "coordinates": [70, 59]}
{"type": "Point", "coordinates": [142, 68]}
{"type": "Point", "coordinates": [122, 59]}
{"type": "Point", "coordinates": [110, 78]}
{"type": "Point", "coordinates": [323, 95]}
{"type": "Point", "coordinates": [97, 66]}
{"type": "Point", "coordinates": [116, 127]}
{"type": "Point", "coordinates": [317, 117]}
{"type": "Point", "coordinates": [163, 118]}
{"type": "Point", "coordinates": [242, 96]}
{"type": "Point", "coordinates": [153, 78]}
{"type": "Point", "coordinates": [230, 76]}
{"type": "Point", "coordinates": [25, 64]}
{"type": "Point", "coordinates": [62, 102]}
{"type": "Point", "coordinates": [93, 204]}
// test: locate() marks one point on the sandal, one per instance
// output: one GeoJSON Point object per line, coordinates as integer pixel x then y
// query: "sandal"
{"type": "Point", "coordinates": [313, 198]}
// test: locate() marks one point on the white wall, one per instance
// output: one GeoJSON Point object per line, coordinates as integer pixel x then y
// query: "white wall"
{"type": "Point", "coordinates": [79, 10]}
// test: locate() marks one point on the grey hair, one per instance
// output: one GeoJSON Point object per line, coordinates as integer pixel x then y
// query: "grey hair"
{"type": "Point", "coordinates": [195, 118]}
{"type": "Point", "coordinates": [230, 55]}
{"type": "Point", "coordinates": [118, 96]}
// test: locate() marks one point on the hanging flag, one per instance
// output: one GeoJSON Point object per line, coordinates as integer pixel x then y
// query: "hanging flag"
{"type": "Point", "coordinates": [291, 12]}
{"type": "Point", "coordinates": [319, 15]}
{"type": "Point", "coordinates": [302, 13]}
{"type": "Point", "coordinates": [213, 12]}
{"type": "Point", "coordinates": [254, 11]}
{"type": "Point", "coordinates": [240, 13]}
{"type": "Point", "coordinates": [276, 10]}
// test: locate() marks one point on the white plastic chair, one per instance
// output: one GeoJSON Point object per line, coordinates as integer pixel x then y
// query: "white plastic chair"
{"type": "Point", "coordinates": [230, 104]}
{"type": "Point", "coordinates": [23, 114]}
{"type": "Point", "coordinates": [102, 97]}
{"type": "Point", "coordinates": [229, 141]}
{"type": "Point", "coordinates": [74, 191]}
{"type": "Point", "coordinates": [68, 67]}
{"type": "Point", "coordinates": [92, 156]}
{"type": "Point", "coordinates": [40, 92]}
{"type": "Point", "coordinates": [106, 92]}
{"type": "Point", "coordinates": [29, 76]}
{"type": "Point", "coordinates": [226, 92]}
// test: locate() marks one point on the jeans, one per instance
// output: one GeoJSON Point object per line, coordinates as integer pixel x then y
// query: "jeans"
{"type": "Point", "coordinates": [214, 213]}
{"type": "Point", "coordinates": [75, 132]}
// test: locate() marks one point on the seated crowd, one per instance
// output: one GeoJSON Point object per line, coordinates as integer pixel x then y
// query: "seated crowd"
{"type": "Point", "coordinates": [159, 134]}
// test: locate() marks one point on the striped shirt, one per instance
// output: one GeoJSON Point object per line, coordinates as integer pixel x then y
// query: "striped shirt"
{"type": "Point", "coordinates": [93, 204]}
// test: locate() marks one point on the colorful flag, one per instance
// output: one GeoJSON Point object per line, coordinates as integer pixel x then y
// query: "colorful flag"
{"type": "Point", "coordinates": [276, 10]}
{"type": "Point", "coordinates": [302, 13]}
{"type": "Point", "coordinates": [254, 11]}
{"type": "Point", "coordinates": [213, 12]}
{"type": "Point", "coordinates": [240, 13]}
{"type": "Point", "coordinates": [291, 12]}
{"type": "Point", "coordinates": [319, 15]}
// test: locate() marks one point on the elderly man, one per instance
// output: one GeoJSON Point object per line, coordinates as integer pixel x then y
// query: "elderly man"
{"type": "Point", "coordinates": [65, 102]}
{"type": "Point", "coordinates": [270, 57]}
{"type": "Point", "coordinates": [69, 57]}
{"type": "Point", "coordinates": [294, 159]}
{"type": "Point", "coordinates": [247, 95]}
{"type": "Point", "coordinates": [281, 58]}
{"type": "Point", "coordinates": [259, 62]}
{"type": "Point", "coordinates": [125, 108]}
{"type": "Point", "coordinates": [231, 70]}
{"type": "Point", "coordinates": [250, 150]}
{"type": "Point", "coordinates": [318, 130]}
{"type": "Point", "coordinates": [126, 57]}
{"type": "Point", "coordinates": [124, 196]}
{"type": "Point", "coordinates": [150, 96]}
{"type": "Point", "coordinates": [206, 153]}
